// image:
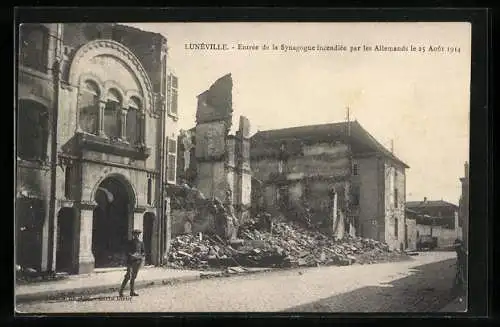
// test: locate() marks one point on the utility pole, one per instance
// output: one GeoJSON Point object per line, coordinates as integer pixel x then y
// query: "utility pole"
{"type": "Point", "coordinates": [348, 120]}
{"type": "Point", "coordinates": [56, 74]}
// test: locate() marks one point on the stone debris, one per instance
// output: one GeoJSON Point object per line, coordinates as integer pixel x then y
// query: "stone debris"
{"type": "Point", "coordinates": [289, 245]}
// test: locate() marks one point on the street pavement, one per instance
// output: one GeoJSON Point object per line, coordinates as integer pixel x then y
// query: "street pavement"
{"type": "Point", "coordinates": [422, 284]}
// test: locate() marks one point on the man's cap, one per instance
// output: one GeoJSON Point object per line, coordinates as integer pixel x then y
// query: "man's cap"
{"type": "Point", "coordinates": [136, 231]}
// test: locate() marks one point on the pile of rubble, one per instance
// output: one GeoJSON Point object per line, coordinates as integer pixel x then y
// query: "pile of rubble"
{"type": "Point", "coordinates": [285, 245]}
{"type": "Point", "coordinates": [26, 275]}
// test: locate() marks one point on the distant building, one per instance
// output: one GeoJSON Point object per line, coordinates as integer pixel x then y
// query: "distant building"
{"type": "Point", "coordinates": [352, 183]}
{"type": "Point", "coordinates": [435, 218]}
{"type": "Point", "coordinates": [93, 126]}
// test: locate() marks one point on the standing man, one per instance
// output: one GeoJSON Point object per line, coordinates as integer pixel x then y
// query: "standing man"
{"type": "Point", "coordinates": [460, 285]}
{"type": "Point", "coordinates": [135, 255]}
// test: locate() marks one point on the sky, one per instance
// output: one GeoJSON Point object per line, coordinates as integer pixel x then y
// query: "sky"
{"type": "Point", "coordinates": [419, 100]}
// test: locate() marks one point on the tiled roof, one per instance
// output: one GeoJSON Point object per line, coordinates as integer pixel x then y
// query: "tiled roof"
{"type": "Point", "coordinates": [267, 143]}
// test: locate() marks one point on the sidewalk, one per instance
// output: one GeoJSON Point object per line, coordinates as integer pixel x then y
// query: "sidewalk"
{"type": "Point", "coordinates": [109, 281]}
{"type": "Point", "coordinates": [456, 306]}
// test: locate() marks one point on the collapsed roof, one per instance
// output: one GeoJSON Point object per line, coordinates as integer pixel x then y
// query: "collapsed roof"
{"type": "Point", "coordinates": [268, 143]}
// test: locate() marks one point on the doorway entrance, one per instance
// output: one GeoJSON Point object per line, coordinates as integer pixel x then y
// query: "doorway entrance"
{"type": "Point", "coordinates": [112, 222]}
{"type": "Point", "coordinates": [65, 239]}
{"type": "Point", "coordinates": [30, 216]}
{"type": "Point", "coordinates": [147, 235]}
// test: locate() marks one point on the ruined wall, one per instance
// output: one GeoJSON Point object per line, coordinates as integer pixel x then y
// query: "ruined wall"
{"type": "Point", "coordinates": [262, 168]}
{"type": "Point", "coordinates": [309, 175]}
{"type": "Point", "coordinates": [368, 196]}
{"type": "Point", "coordinates": [222, 160]}
{"type": "Point", "coordinates": [321, 159]}
{"type": "Point", "coordinates": [322, 165]}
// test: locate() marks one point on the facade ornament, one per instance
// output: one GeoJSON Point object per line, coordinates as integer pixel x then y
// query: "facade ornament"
{"type": "Point", "coordinates": [113, 48]}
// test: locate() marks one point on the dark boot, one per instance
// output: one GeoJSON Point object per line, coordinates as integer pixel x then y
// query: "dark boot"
{"type": "Point", "coordinates": [132, 293]}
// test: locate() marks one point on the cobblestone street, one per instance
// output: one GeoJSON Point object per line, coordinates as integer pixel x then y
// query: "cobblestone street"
{"type": "Point", "coordinates": [420, 285]}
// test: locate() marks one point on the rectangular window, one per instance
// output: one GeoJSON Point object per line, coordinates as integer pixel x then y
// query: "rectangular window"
{"type": "Point", "coordinates": [355, 169]}
{"type": "Point", "coordinates": [172, 95]}
{"type": "Point", "coordinates": [171, 160]}
{"type": "Point", "coordinates": [150, 190]}
{"type": "Point", "coordinates": [355, 195]}
{"type": "Point", "coordinates": [396, 227]}
{"type": "Point", "coordinates": [395, 198]}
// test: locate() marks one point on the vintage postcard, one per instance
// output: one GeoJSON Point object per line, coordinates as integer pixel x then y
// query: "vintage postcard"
{"type": "Point", "coordinates": [277, 167]}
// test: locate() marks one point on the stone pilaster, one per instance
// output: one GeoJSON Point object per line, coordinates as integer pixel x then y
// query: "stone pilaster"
{"type": "Point", "coordinates": [141, 125]}
{"type": "Point", "coordinates": [86, 260]}
{"type": "Point", "coordinates": [100, 132]}
{"type": "Point", "coordinates": [123, 122]}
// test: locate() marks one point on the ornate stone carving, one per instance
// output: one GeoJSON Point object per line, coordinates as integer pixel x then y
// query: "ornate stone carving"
{"type": "Point", "coordinates": [112, 48]}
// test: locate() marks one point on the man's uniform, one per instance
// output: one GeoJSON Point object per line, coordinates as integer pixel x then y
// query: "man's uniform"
{"type": "Point", "coordinates": [135, 255]}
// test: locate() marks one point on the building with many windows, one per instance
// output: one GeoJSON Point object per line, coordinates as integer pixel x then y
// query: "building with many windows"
{"type": "Point", "coordinates": [96, 144]}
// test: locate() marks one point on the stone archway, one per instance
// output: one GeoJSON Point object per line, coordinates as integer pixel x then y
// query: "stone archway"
{"type": "Point", "coordinates": [112, 221]}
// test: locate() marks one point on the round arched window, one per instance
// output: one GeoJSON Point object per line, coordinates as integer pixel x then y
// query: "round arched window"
{"type": "Point", "coordinates": [133, 120]}
{"type": "Point", "coordinates": [112, 114]}
{"type": "Point", "coordinates": [88, 106]}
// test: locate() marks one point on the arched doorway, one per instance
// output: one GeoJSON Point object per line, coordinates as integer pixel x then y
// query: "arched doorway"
{"type": "Point", "coordinates": [65, 239]}
{"type": "Point", "coordinates": [112, 221]}
{"type": "Point", "coordinates": [30, 216]}
{"type": "Point", "coordinates": [147, 235]}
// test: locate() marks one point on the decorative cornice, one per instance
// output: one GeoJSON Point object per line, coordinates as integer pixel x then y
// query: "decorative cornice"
{"type": "Point", "coordinates": [101, 47]}
{"type": "Point", "coordinates": [87, 205]}
{"type": "Point", "coordinates": [99, 144]}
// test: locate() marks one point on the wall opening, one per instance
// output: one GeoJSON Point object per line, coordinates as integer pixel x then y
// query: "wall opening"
{"type": "Point", "coordinates": [147, 236]}
{"type": "Point", "coordinates": [32, 130]}
{"type": "Point", "coordinates": [111, 222]}
{"type": "Point", "coordinates": [65, 239]}
{"type": "Point", "coordinates": [30, 216]}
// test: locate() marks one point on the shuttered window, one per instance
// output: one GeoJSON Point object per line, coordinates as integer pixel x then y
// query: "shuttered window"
{"type": "Point", "coordinates": [171, 160]}
{"type": "Point", "coordinates": [172, 95]}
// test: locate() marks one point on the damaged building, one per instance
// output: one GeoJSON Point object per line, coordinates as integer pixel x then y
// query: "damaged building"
{"type": "Point", "coordinates": [214, 162]}
{"type": "Point", "coordinates": [338, 173]}
{"type": "Point", "coordinates": [92, 135]}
